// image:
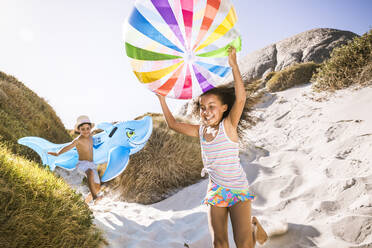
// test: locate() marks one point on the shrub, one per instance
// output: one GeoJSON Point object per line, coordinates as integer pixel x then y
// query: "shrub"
{"type": "Point", "coordinates": [291, 76]}
{"type": "Point", "coordinates": [347, 65]}
{"type": "Point", "coordinates": [41, 210]}
{"type": "Point", "coordinates": [252, 87]}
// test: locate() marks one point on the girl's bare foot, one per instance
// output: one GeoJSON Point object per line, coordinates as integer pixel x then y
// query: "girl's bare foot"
{"type": "Point", "coordinates": [254, 235]}
{"type": "Point", "coordinates": [260, 234]}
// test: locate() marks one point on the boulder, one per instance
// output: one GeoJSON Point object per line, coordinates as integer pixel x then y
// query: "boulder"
{"type": "Point", "coordinates": [313, 45]}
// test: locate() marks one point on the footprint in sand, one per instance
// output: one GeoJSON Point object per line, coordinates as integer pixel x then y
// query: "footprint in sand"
{"type": "Point", "coordinates": [353, 229]}
{"type": "Point", "coordinates": [268, 188]}
{"type": "Point", "coordinates": [351, 158]}
{"type": "Point", "coordinates": [329, 207]}
{"type": "Point", "coordinates": [295, 182]}
{"type": "Point", "coordinates": [338, 128]}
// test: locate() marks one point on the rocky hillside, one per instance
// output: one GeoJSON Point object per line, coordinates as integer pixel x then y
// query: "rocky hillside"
{"type": "Point", "coordinates": [313, 45]}
{"type": "Point", "coordinates": [23, 113]}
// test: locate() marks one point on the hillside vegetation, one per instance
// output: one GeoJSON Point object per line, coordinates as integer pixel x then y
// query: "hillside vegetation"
{"type": "Point", "coordinates": [41, 210]}
{"type": "Point", "coordinates": [291, 76]}
{"type": "Point", "coordinates": [350, 64]}
{"type": "Point", "coordinates": [23, 113]}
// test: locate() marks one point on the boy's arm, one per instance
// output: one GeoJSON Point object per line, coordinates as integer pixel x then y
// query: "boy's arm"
{"type": "Point", "coordinates": [240, 95]}
{"type": "Point", "coordinates": [184, 128]}
{"type": "Point", "coordinates": [64, 149]}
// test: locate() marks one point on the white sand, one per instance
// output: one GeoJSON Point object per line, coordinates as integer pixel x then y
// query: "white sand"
{"type": "Point", "coordinates": [316, 180]}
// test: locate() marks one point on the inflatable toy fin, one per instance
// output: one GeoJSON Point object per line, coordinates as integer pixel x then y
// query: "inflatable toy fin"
{"type": "Point", "coordinates": [106, 126]}
{"type": "Point", "coordinates": [118, 160]}
{"type": "Point", "coordinates": [42, 147]}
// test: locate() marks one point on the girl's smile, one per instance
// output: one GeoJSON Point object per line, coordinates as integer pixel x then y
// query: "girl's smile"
{"type": "Point", "coordinates": [211, 110]}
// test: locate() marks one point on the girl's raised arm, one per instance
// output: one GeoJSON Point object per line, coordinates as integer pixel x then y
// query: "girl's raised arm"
{"type": "Point", "coordinates": [184, 128]}
{"type": "Point", "coordinates": [237, 109]}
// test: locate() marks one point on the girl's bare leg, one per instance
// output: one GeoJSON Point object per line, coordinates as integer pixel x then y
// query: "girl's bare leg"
{"type": "Point", "coordinates": [243, 232]}
{"type": "Point", "coordinates": [217, 219]}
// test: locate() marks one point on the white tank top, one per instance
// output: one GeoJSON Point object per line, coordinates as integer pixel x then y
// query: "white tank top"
{"type": "Point", "coordinates": [221, 160]}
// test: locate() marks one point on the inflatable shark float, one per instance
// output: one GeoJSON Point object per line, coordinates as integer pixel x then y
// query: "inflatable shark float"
{"type": "Point", "coordinates": [114, 145]}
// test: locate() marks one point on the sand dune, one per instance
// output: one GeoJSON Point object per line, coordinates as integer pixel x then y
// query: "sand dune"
{"type": "Point", "coordinates": [309, 163]}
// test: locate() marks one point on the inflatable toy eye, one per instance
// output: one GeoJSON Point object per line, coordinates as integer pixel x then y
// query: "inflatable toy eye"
{"type": "Point", "coordinates": [130, 133]}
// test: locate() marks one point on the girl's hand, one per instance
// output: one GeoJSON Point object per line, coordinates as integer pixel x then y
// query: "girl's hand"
{"type": "Point", "coordinates": [161, 97]}
{"type": "Point", "coordinates": [232, 56]}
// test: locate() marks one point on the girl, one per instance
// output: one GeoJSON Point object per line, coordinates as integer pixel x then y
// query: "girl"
{"type": "Point", "coordinates": [228, 186]}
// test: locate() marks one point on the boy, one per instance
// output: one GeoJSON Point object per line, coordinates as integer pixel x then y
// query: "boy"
{"type": "Point", "coordinates": [84, 147]}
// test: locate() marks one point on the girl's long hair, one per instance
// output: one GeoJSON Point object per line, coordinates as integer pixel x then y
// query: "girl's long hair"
{"type": "Point", "coordinates": [227, 96]}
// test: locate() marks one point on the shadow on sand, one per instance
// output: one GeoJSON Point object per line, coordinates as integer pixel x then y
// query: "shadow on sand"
{"type": "Point", "coordinates": [297, 236]}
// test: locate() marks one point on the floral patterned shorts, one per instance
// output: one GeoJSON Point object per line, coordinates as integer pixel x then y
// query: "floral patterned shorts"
{"type": "Point", "coordinates": [222, 197]}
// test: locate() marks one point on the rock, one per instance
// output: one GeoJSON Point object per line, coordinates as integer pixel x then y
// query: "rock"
{"type": "Point", "coordinates": [313, 45]}
{"type": "Point", "coordinates": [258, 63]}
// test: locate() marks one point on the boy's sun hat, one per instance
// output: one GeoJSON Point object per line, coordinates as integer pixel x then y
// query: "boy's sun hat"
{"type": "Point", "coordinates": [82, 119]}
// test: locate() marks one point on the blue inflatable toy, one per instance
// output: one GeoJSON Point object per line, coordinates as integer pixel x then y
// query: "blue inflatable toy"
{"type": "Point", "coordinates": [114, 145]}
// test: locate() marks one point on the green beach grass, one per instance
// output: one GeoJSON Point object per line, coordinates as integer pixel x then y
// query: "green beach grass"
{"type": "Point", "coordinates": [350, 64]}
{"type": "Point", "coordinates": [24, 113]}
{"type": "Point", "coordinates": [40, 210]}
{"type": "Point", "coordinates": [291, 76]}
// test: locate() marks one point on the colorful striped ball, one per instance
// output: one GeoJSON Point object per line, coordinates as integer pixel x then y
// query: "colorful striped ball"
{"type": "Point", "coordinates": [179, 48]}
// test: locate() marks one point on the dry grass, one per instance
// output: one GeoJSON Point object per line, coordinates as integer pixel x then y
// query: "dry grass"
{"type": "Point", "coordinates": [23, 113]}
{"type": "Point", "coordinates": [168, 162]}
{"type": "Point", "coordinates": [350, 64]}
{"type": "Point", "coordinates": [41, 210]}
{"type": "Point", "coordinates": [254, 95]}
{"type": "Point", "coordinates": [291, 76]}
{"type": "Point", "coordinates": [252, 87]}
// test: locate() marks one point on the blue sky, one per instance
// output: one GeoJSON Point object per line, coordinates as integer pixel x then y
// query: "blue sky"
{"type": "Point", "coordinates": [71, 52]}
